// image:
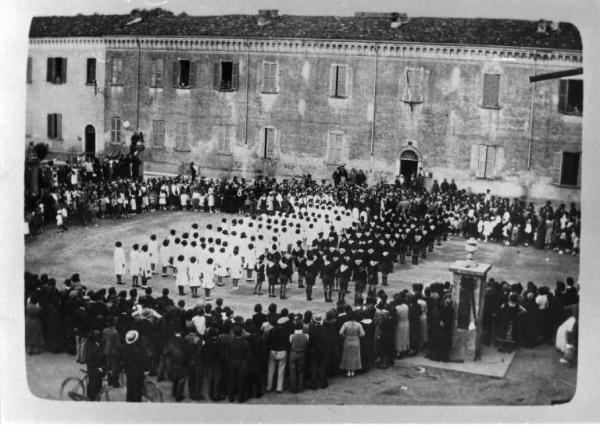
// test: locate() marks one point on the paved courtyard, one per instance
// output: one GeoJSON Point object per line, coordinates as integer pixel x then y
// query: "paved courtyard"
{"type": "Point", "coordinates": [534, 377]}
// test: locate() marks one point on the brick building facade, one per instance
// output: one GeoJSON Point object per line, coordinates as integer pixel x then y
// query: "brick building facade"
{"type": "Point", "coordinates": [287, 95]}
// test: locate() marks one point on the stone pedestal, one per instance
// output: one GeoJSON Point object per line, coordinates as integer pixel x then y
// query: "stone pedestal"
{"type": "Point", "coordinates": [468, 292]}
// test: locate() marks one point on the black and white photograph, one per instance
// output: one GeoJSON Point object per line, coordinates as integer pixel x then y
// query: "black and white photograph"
{"type": "Point", "coordinates": [287, 204]}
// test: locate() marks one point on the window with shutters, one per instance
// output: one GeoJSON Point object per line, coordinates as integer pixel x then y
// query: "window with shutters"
{"type": "Point", "coordinates": [486, 161]}
{"type": "Point", "coordinates": [269, 82]}
{"type": "Point", "coordinates": [491, 88]}
{"type": "Point", "coordinates": [338, 81]}
{"type": "Point", "coordinates": [334, 147]}
{"type": "Point", "coordinates": [29, 70]}
{"type": "Point", "coordinates": [158, 133]}
{"type": "Point", "coordinates": [181, 136]}
{"type": "Point", "coordinates": [184, 74]}
{"type": "Point", "coordinates": [116, 72]}
{"type": "Point", "coordinates": [268, 142]}
{"type": "Point", "coordinates": [115, 130]}
{"type": "Point", "coordinates": [226, 76]}
{"type": "Point", "coordinates": [90, 72]}
{"type": "Point", "coordinates": [56, 71]}
{"type": "Point", "coordinates": [570, 97]}
{"type": "Point", "coordinates": [413, 82]}
{"type": "Point", "coordinates": [224, 142]}
{"type": "Point", "coordinates": [55, 126]}
{"type": "Point", "coordinates": [156, 79]}
{"type": "Point", "coordinates": [567, 168]}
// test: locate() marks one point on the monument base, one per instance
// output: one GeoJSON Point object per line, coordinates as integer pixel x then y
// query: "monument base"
{"type": "Point", "coordinates": [463, 345]}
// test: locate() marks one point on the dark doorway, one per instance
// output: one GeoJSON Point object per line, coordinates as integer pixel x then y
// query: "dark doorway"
{"type": "Point", "coordinates": [409, 164]}
{"type": "Point", "coordinates": [570, 168]}
{"type": "Point", "coordinates": [90, 140]}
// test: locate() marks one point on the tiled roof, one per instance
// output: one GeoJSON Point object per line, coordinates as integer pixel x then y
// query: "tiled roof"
{"type": "Point", "coordinates": [498, 32]}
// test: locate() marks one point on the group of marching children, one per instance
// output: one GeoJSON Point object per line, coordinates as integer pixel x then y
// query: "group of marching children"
{"type": "Point", "coordinates": [318, 240]}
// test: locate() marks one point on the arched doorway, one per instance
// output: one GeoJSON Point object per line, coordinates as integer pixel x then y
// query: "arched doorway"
{"type": "Point", "coordinates": [409, 164]}
{"type": "Point", "coordinates": [90, 140]}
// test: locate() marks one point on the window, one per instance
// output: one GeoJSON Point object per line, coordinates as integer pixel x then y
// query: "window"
{"type": "Point", "coordinates": [158, 133]}
{"type": "Point", "coordinates": [90, 74]}
{"type": "Point", "coordinates": [56, 71]}
{"type": "Point", "coordinates": [268, 142]}
{"type": "Point", "coordinates": [269, 83]}
{"type": "Point", "coordinates": [491, 88]}
{"type": "Point", "coordinates": [226, 76]}
{"type": "Point", "coordinates": [116, 72]}
{"type": "Point", "coordinates": [184, 74]}
{"type": "Point", "coordinates": [413, 80]}
{"type": "Point", "coordinates": [29, 70]}
{"type": "Point", "coordinates": [334, 147]}
{"type": "Point", "coordinates": [567, 168]}
{"type": "Point", "coordinates": [55, 126]}
{"type": "Point", "coordinates": [224, 145]}
{"type": "Point", "coordinates": [115, 130]}
{"type": "Point", "coordinates": [570, 97]}
{"type": "Point", "coordinates": [156, 80]}
{"type": "Point", "coordinates": [181, 137]}
{"type": "Point", "coordinates": [338, 81]}
{"type": "Point", "coordinates": [485, 161]}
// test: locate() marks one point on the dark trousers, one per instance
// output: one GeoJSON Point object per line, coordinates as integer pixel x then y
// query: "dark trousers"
{"type": "Point", "coordinates": [178, 390]}
{"type": "Point", "coordinates": [135, 386]}
{"type": "Point", "coordinates": [296, 371]}
{"type": "Point", "coordinates": [319, 363]}
{"type": "Point", "coordinates": [195, 379]}
{"type": "Point", "coordinates": [213, 374]}
{"type": "Point", "coordinates": [255, 382]}
{"type": "Point", "coordinates": [237, 382]}
{"type": "Point", "coordinates": [94, 386]}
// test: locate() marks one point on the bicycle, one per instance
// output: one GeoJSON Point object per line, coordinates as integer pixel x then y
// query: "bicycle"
{"type": "Point", "coordinates": [75, 389]}
{"type": "Point", "coordinates": [150, 391]}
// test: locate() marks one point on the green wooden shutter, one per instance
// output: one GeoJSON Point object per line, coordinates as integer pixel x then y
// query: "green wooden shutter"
{"type": "Point", "coordinates": [481, 161]}
{"type": "Point", "coordinates": [562, 95]}
{"type": "Point", "coordinates": [217, 76]}
{"type": "Point", "coordinates": [332, 80]}
{"type": "Point", "coordinates": [64, 70]}
{"type": "Point", "coordinates": [498, 161]}
{"type": "Point", "coordinates": [158, 78]}
{"type": "Point", "coordinates": [153, 71]}
{"type": "Point", "coordinates": [557, 167]}
{"type": "Point", "coordinates": [59, 126]}
{"type": "Point", "coordinates": [193, 72]}
{"type": "Point", "coordinates": [579, 171]}
{"type": "Point", "coordinates": [235, 75]}
{"type": "Point", "coordinates": [341, 81]}
{"type": "Point", "coordinates": [50, 70]}
{"type": "Point", "coordinates": [491, 87]}
{"type": "Point", "coordinates": [269, 142]}
{"type": "Point", "coordinates": [29, 64]}
{"type": "Point", "coordinates": [175, 74]}
{"type": "Point", "coordinates": [490, 161]}
{"type": "Point", "coordinates": [49, 131]}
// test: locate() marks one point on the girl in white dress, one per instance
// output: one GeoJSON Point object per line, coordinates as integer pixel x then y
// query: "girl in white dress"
{"type": "Point", "coordinates": [235, 267]}
{"type": "Point", "coordinates": [165, 253]}
{"type": "Point", "coordinates": [162, 199]}
{"type": "Point", "coordinates": [211, 199]}
{"type": "Point", "coordinates": [208, 278]}
{"type": "Point", "coordinates": [194, 274]}
{"type": "Point", "coordinates": [119, 262]}
{"type": "Point", "coordinates": [153, 252]}
{"type": "Point", "coordinates": [182, 278]}
{"type": "Point", "coordinates": [134, 265]}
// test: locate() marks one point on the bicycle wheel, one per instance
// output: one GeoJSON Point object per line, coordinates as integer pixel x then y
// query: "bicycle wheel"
{"type": "Point", "coordinates": [73, 389]}
{"type": "Point", "coordinates": [152, 392]}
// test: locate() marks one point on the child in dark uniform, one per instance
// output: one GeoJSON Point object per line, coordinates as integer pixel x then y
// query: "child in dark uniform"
{"type": "Point", "coordinates": [260, 275]}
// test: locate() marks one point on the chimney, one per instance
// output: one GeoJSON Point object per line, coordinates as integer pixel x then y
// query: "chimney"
{"type": "Point", "coordinates": [265, 16]}
{"type": "Point", "coordinates": [398, 19]}
{"type": "Point", "coordinates": [542, 26]}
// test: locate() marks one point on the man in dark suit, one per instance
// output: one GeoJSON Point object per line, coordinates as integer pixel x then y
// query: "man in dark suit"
{"type": "Point", "coordinates": [320, 346]}
{"type": "Point", "coordinates": [237, 355]}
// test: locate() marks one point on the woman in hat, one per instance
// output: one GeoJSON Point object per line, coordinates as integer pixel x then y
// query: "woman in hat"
{"type": "Point", "coordinates": [351, 331]}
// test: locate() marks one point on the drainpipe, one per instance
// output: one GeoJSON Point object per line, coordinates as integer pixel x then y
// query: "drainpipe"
{"type": "Point", "coordinates": [137, 109]}
{"type": "Point", "coordinates": [247, 45]}
{"type": "Point", "coordinates": [376, 48]}
{"type": "Point", "coordinates": [531, 113]}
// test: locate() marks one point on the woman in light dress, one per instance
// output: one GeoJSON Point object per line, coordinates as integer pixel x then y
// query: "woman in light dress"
{"type": "Point", "coordinates": [182, 278]}
{"type": "Point", "coordinates": [351, 331]}
{"type": "Point", "coordinates": [402, 327]}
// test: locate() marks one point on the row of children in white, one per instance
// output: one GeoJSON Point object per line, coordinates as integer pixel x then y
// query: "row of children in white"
{"type": "Point", "coordinates": [195, 264]}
